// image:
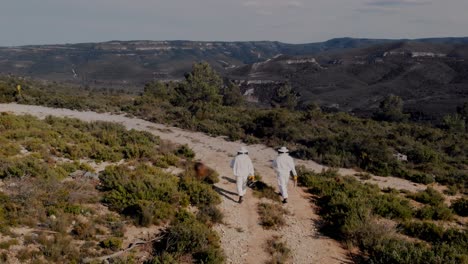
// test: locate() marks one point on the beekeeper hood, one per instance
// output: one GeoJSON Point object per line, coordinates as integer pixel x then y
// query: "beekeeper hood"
{"type": "Point", "coordinates": [243, 150]}
{"type": "Point", "coordinates": [283, 150]}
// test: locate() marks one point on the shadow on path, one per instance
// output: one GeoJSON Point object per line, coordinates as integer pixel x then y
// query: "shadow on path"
{"type": "Point", "coordinates": [225, 193]}
{"type": "Point", "coordinates": [229, 179]}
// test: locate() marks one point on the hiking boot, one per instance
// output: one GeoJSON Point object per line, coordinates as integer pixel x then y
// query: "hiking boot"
{"type": "Point", "coordinates": [285, 200]}
{"type": "Point", "coordinates": [241, 199]}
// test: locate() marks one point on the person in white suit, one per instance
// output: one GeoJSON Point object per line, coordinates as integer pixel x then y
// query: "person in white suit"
{"type": "Point", "coordinates": [242, 168]}
{"type": "Point", "coordinates": [284, 166]}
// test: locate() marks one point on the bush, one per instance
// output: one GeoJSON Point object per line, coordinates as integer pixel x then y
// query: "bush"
{"type": "Point", "coordinates": [84, 231]}
{"type": "Point", "coordinates": [163, 258]}
{"type": "Point", "coordinates": [58, 249]}
{"type": "Point", "coordinates": [451, 244]}
{"type": "Point", "coordinates": [278, 251]}
{"type": "Point", "coordinates": [460, 206]}
{"type": "Point", "coordinates": [424, 230]}
{"type": "Point", "coordinates": [199, 193]}
{"type": "Point", "coordinates": [112, 243]}
{"type": "Point", "coordinates": [438, 212]}
{"type": "Point", "coordinates": [428, 196]}
{"type": "Point", "coordinates": [392, 250]}
{"type": "Point", "coordinates": [186, 235]}
{"type": "Point", "coordinates": [420, 177]}
{"type": "Point", "coordinates": [148, 213]}
{"type": "Point", "coordinates": [451, 190]}
{"type": "Point", "coordinates": [7, 244]}
{"type": "Point", "coordinates": [210, 214]}
{"type": "Point", "coordinates": [185, 151]}
{"type": "Point", "coordinates": [392, 206]}
{"type": "Point", "coordinates": [124, 187]}
{"type": "Point", "coordinates": [271, 215]}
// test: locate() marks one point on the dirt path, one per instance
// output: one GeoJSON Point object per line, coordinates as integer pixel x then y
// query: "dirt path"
{"type": "Point", "coordinates": [242, 237]}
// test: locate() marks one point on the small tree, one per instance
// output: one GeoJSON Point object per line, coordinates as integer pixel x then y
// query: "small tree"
{"type": "Point", "coordinates": [391, 109]}
{"type": "Point", "coordinates": [232, 95]}
{"type": "Point", "coordinates": [200, 90]}
{"type": "Point", "coordinates": [463, 110]}
{"type": "Point", "coordinates": [285, 97]}
{"type": "Point", "coordinates": [454, 123]}
{"type": "Point", "coordinates": [160, 90]}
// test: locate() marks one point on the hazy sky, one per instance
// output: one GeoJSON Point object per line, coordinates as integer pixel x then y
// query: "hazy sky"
{"type": "Point", "coordinates": [297, 21]}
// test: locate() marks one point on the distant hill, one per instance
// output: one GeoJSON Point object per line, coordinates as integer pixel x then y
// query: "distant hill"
{"type": "Point", "coordinates": [135, 62]}
{"type": "Point", "coordinates": [351, 74]}
{"type": "Point", "coordinates": [431, 78]}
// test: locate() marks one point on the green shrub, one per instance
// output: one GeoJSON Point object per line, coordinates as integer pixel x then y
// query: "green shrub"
{"type": "Point", "coordinates": [59, 249]}
{"type": "Point", "coordinates": [73, 209]}
{"type": "Point", "coordinates": [112, 243]}
{"type": "Point", "coordinates": [438, 212]}
{"type": "Point", "coordinates": [460, 206]}
{"type": "Point", "coordinates": [199, 193]}
{"type": "Point", "coordinates": [424, 230]}
{"type": "Point", "coordinates": [210, 214]}
{"type": "Point", "coordinates": [26, 254]}
{"type": "Point", "coordinates": [392, 206]}
{"type": "Point", "coordinates": [392, 250]}
{"type": "Point", "coordinates": [147, 213]}
{"type": "Point", "coordinates": [457, 239]}
{"type": "Point", "coordinates": [163, 258]}
{"type": "Point", "coordinates": [210, 255]}
{"type": "Point", "coordinates": [84, 230]}
{"type": "Point", "coordinates": [10, 149]}
{"type": "Point", "coordinates": [7, 212]}
{"type": "Point", "coordinates": [186, 235]}
{"type": "Point", "coordinates": [428, 196]}
{"type": "Point", "coordinates": [124, 187]}
{"type": "Point", "coordinates": [8, 243]}
{"type": "Point", "coordinates": [449, 245]}
{"type": "Point", "coordinates": [451, 190]}
{"type": "Point", "coordinates": [211, 177]}
{"type": "Point", "coordinates": [420, 177]}
{"type": "Point", "coordinates": [185, 151]}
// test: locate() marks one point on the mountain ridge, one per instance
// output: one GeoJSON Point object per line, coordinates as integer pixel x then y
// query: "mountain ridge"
{"type": "Point", "coordinates": [351, 73]}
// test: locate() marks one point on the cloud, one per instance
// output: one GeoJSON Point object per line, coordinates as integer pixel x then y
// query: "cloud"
{"type": "Point", "coordinates": [395, 3]}
{"type": "Point", "coordinates": [373, 10]}
{"type": "Point", "coordinates": [268, 7]}
{"type": "Point", "coordinates": [272, 3]}
{"type": "Point", "coordinates": [389, 6]}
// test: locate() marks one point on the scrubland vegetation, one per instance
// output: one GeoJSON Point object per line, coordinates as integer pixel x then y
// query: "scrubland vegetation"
{"type": "Point", "coordinates": [385, 226]}
{"type": "Point", "coordinates": [69, 220]}
{"type": "Point", "coordinates": [202, 102]}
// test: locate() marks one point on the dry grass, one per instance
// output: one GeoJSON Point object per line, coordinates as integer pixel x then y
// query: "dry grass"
{"type": "Point", "coordinates": [278, 250]}
{"type": "Point", "coordinates": [271, 215]}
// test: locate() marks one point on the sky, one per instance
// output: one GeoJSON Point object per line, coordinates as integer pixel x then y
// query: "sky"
{"type": "Point", "coordinates": [25, 22]}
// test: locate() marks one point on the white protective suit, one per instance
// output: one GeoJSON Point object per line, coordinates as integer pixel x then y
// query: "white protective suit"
{"type": "Point", "coordinates": [242, 167]}
{"type": "Point", "coordinates": [284, 165]}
